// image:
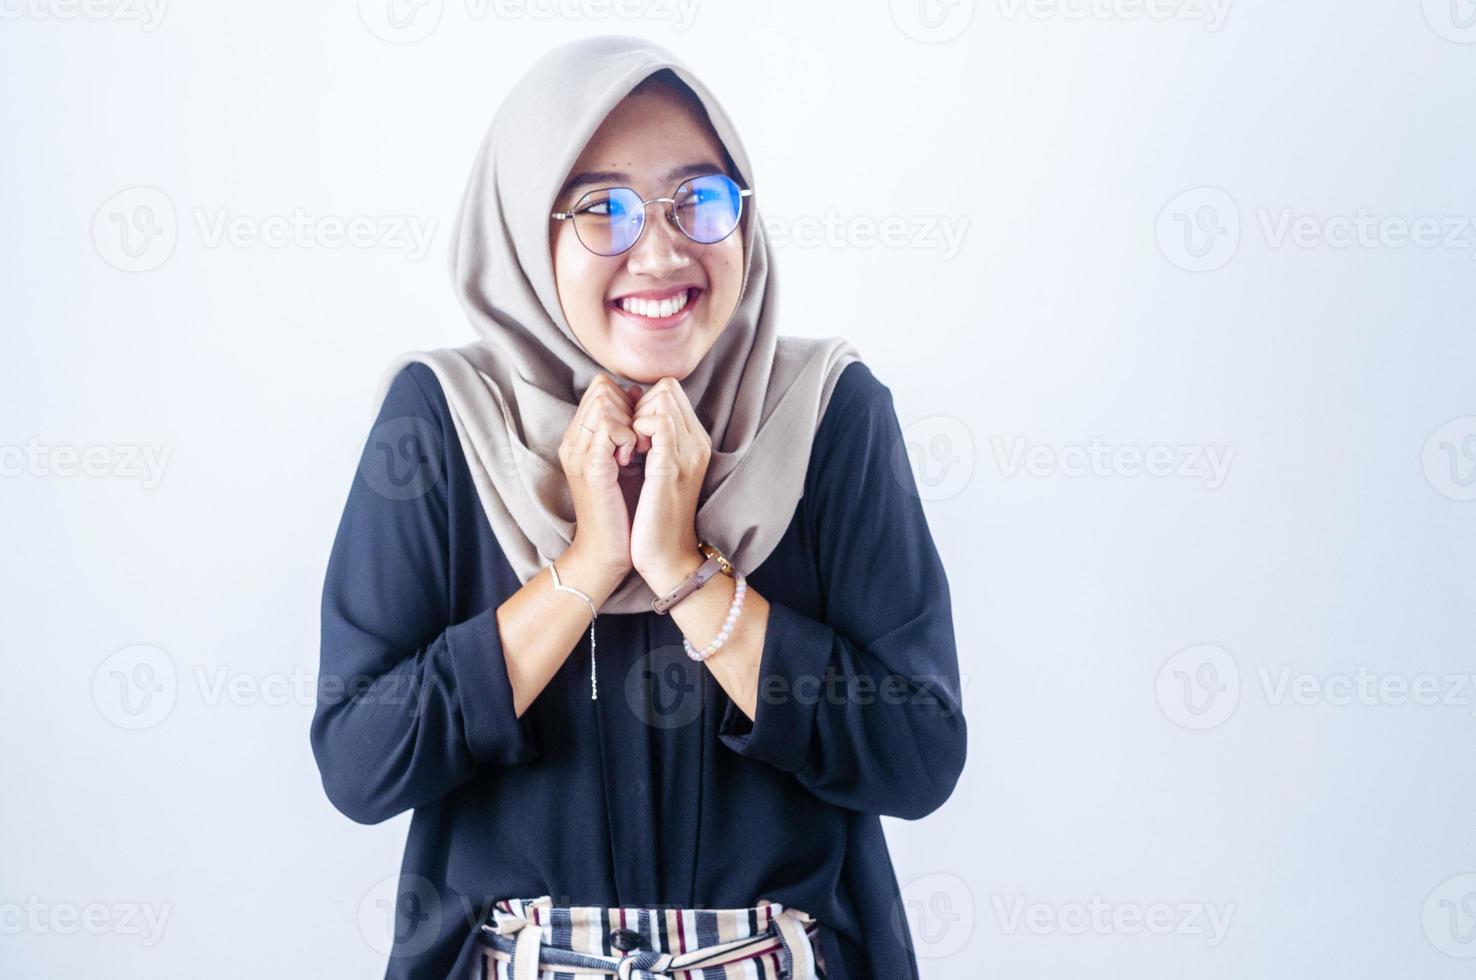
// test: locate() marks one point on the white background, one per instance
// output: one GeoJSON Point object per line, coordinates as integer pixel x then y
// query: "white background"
{"type": "Point", "coordinates": [1125, 175]}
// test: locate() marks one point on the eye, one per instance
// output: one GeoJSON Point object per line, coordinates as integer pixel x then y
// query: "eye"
{"type": "Point", "coordinates": [601, 204]}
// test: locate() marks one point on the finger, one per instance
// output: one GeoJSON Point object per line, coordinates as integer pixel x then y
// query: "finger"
{"type": "Point", "coordinates": [577, 438]}
{"type": "Point", "coordinates": [614, 438]}
{"type": "Point", "coordinates": [662, 429]}
{"type": "Point", "coordinates": [689, 414]}
{"type": "Point", "coordinates": [578, 435]}
{"type": "Point", "coordinates": [602, 389]}
{"type": "Point", "coordinates": [598, 455]}
{"type": "Point", "coordinates": [643, 443]}
{"type": "Point", "coordinates": [617, 408]}
{"type": "Point", "coordinates": [662, 401]}
{"type": "Point", "coordinates": [610, 401]}
{"type": "Point", "coordinates": [625, 439]}
{"type": "Point", "coordinates": [585, 424]}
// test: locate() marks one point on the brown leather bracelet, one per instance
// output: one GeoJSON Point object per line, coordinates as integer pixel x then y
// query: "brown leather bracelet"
{"type": "Point", "coordinates": [715, 562]}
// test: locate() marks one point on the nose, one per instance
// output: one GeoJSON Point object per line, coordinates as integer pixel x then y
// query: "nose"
{"type": "Point", "coordinates": [662, 248]}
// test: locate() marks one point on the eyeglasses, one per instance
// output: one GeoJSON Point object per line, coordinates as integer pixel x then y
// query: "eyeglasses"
{"type": "Point", "coordinates": [706, 209]}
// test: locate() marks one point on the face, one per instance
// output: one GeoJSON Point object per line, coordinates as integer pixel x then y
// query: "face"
{"type": "Point", "coordinates": [650, 142]}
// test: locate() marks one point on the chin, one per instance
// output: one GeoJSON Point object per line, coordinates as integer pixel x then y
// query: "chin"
{"type": "Point", "coordinates": [648, 363]}
{"type": "Point", "coordinates": [649, 370]}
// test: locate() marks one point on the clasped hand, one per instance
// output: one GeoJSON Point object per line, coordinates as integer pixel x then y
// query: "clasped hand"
{"type": "Point", "coordinates": [611, 426]}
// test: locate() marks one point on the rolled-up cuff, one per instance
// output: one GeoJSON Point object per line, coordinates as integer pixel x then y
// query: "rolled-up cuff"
{"type": "Point", "coordinates": [494, 732]}
{"type": "Point", "coordinates": [797, 650]}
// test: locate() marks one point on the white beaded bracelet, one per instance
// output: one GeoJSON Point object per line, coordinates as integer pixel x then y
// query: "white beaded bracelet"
{"type": "Point", "coordinates": [594, 691]}
{"type": "Point", "coordinates": [738, 591]}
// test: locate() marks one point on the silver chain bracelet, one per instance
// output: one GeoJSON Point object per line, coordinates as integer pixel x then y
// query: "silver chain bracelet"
{"type": "Point", "coordinates": [594, 691]}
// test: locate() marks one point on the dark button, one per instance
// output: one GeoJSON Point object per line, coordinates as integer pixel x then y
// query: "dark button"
{"type": "Point", "coordinates": [625, 940]}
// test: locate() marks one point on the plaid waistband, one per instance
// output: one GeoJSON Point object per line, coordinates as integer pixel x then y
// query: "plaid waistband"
{"type": "Point", "coordinates": [533, 939]}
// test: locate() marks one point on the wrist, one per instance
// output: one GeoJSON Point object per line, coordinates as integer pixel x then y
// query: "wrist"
{"type": "Point", "coordinates": [669, 571]}
{"type": "Point", "coordinates": [590, 574]}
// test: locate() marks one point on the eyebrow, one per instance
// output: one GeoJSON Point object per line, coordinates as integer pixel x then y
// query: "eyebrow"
{"type": "Point", "coordinates": [610, 178]}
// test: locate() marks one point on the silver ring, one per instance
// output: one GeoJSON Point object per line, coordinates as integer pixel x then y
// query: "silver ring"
{"type": "Point", "coordinates": [586, 428]}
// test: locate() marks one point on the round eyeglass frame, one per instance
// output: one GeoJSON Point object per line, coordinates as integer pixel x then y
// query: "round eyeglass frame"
{"type": "Point", "coordinates": [670, 210]}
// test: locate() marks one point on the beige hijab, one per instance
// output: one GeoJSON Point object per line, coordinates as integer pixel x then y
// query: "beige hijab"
{"type": "Point", "coordinates": [512, 393]}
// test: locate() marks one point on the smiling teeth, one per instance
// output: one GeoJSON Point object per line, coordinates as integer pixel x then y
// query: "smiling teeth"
{"type": "Point", "coordinates": [665, 308]}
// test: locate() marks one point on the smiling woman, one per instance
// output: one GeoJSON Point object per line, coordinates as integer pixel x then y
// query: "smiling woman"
{"type": "Point", "coordinates": [638, 299]}
{"type": "Point", "coordinates": [631, 473]}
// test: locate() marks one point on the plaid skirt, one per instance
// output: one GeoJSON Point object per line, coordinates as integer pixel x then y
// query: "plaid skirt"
{"type": "Point", "coordinates": [533, 939]}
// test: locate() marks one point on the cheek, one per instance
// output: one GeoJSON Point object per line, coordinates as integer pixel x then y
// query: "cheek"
{"type": "Point", "coordinates": [725, 268]}
{"type": "Point", "coordinates": [580, 276]}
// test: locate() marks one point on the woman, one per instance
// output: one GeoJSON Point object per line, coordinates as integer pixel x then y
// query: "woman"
{"type": "Point", "coordinates": [629, 430]}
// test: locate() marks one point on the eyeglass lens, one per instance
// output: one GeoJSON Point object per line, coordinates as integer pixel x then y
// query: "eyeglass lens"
{"type": "Point", "coordinates": [707, 209]}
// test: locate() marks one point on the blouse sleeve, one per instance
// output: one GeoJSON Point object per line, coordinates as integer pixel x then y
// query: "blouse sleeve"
{"type": "Point", "coordinates": [408, 705]}
{"type": "Point", "coordinates": [863, 705]}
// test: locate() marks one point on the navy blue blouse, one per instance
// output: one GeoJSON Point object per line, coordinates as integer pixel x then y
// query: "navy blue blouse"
{"type": "Point", "coordinates": [660, 791]}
